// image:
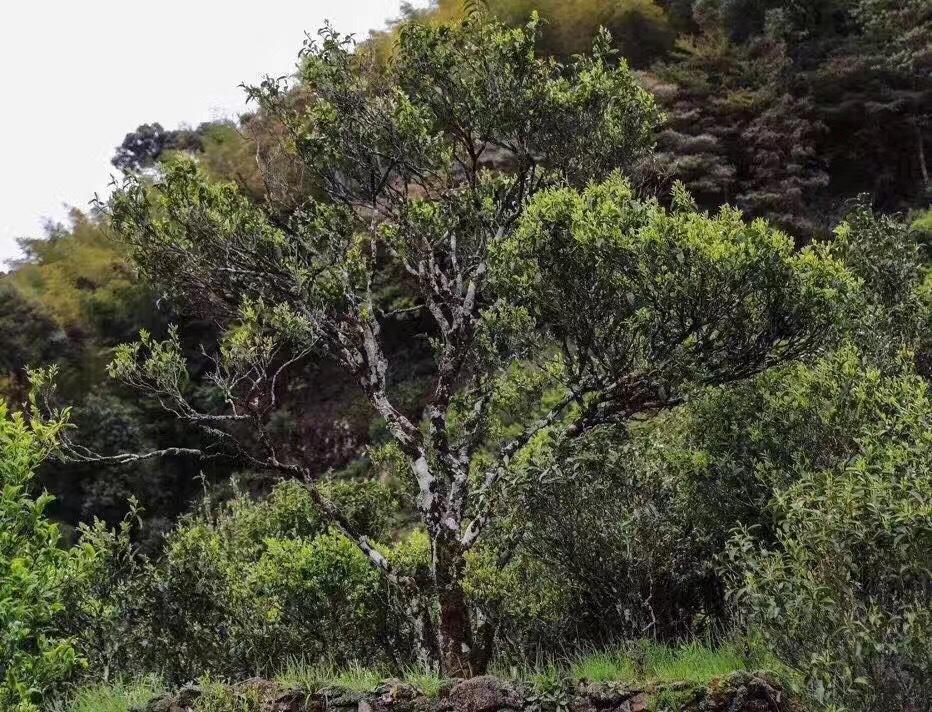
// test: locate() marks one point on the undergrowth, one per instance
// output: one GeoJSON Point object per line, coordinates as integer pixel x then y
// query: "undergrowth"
{"type": "Point", "coordinates": [642, 662]}
{"type": "Point", "coordinates": [120, 696]}
{"type": "Point", "coordinates": [298, 674]}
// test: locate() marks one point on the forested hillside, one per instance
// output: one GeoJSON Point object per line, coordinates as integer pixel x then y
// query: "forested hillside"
{"type": "Point", "coordinates": [522, 330]}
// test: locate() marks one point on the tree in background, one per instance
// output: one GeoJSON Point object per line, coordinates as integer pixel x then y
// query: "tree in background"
{"type": "Point", "coordinates": [77, 274]}
{"type": "Point", "coordinates": [144, 147]}
{"type": "Point", "coordinates": [29, 337]}
{"type": "Point", "coordinates": [548, 278]}
{"type": "Point", "coordinates": [70, 301]}
{"type": "Point", "coordinates": [734, 134]}
{"type": "Point", "coordinates": [641, 29]}
{"type": "Point", "coordinates": [862, 68]}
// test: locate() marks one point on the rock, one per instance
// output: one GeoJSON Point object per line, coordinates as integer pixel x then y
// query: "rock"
{"type": "Point", "coordinates": [294, 702]}
{"type": "Point", "coordinates": [337, 698]}
{"type": "Point", "coordinates": [396, 691]}
{"type": "Point", "coordinates": [484, 694]}
{"type": "Point", "coordinates": [162, 703]}
{"type": "Point", "coordinates": [258, 684]}
{"type": "Point", "coordinates": [606, 695]}
{"type": "Point", "coordinates": [738, 692]}
{"type": "Point", "coordinates": [182, 702]}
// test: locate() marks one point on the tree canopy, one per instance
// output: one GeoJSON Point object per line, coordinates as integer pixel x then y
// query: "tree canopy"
{"type": "Point", "coordinates": [484, 175]}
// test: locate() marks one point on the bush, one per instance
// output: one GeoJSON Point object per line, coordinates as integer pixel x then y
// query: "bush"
{"type": "Point", "coordinates": [34, 657]}
{"type": "Point", "coordinates": [635, 530]}
{"type": "Point", "coordinates": [238, 588]}
{"type": "Point", "coordinates": [107, 595]}
{"type": "Point", "coordinates": [840, 584]}
{"type": "Point", "coordinates": [610, 534]}
{"type": "Point", "coordinates": [891, 259]}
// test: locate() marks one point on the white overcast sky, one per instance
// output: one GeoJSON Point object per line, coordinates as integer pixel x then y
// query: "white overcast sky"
{"type": "Point", "coordinates": [77, 75]}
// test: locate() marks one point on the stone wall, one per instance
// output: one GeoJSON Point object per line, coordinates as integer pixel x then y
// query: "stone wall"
{"type": "Point", "coordinates": [739, 692]}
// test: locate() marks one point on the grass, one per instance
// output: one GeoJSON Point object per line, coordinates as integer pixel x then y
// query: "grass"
{"type": "Point", "coordinates": [691, 663]}
{"type": "Point", "coordinates": [641, 662]}
{"type": "Point", "coordinates": [604, 666]}
{"type": "Point", "coordinates": [427, 681]}
{"type": "Point", "coordinates": [297, 674]}
{"type": "Point", "coordinates": [217, 697]}
{"type": "Point", "coordinates": [115, 697]}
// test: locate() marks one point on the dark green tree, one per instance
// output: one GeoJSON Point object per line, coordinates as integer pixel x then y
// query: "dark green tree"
{"type": "Point", "coordinates": [488, 176]}
{"type": "Point", "coordinates": [143, 147]}
{"type": "Point", "coordinates": [734, 134]}
{"type": "Point", "coordinates": [30, 338]}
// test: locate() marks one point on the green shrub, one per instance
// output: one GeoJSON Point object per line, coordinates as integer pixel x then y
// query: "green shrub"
{"type": "Point", "coordinates": [34, 656]}
{"type": "Point", "coordinates": [321, 597]}
{"type": "Point", "coordinates": [120, 696]}
{"type": "Point", "coordinates": [891, 258]}
{"type": "Point", "coordinates": [840, 584]}
{"type": "Point", "coordinates": [108, 593]}
{"type": "Point", "coordinates": [241, 586]}
{"type": "Point", "coordinates": [609, 548]}
{"type": "Point", "coordinates": [238, 588]}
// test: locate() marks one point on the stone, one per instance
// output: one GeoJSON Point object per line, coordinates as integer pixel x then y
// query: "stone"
{"type": "Point", "coordinates": [738, 692]}
{"type": "Point", "coordinates": [639, 702]}
{"type": "Point", "coordinates": [182, 702]}
{"type": "Point", "coordinates": [605, 695]}
{"type": "Point", "coordinates": [337, 698]}
{"type": "Point", "coordinates": [294, 702]}
{"type": "Point", "coordinates": [162, 703]}
{"type": "Point", "coordinates": [484, 694]}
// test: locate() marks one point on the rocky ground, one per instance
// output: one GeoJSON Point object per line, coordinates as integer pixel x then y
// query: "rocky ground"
{"type": "Point", "coordinates": [738, 692]}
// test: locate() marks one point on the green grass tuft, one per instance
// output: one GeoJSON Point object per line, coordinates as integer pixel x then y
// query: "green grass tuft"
{"type": "Point", "coordinates": [691, 663]}
{"type": "Point", "coordinates": [116, 697]}
{"type": "Point", "coordinates": [358, 678]}
{"type": "Point", "coordinates": [426, 681]}
{"type": "Point", "coordinates": [604, 666]}
{"type": "Point", "coordinates": [297, 674]}
{"type": "Point", "coordinates": [546, 677]}
{"type": "Point", "coordinates": [312, 677]}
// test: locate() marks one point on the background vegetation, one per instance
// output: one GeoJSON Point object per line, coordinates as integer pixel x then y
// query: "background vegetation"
{"type": "Point", "coordinates": [791, 511]}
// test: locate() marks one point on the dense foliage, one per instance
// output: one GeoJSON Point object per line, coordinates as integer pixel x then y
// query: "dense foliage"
{"type": "Point", "coordinates": [34, 654]}
{"type": "Point", "coordinates": [477, 358]}
{"type": "Point", "coordinates": [502, 258]}
{"type": "Point", "coordinates": [784, 108]}
{"type": "Point", "coordinates": [841, 582]}
{"type": "Point", "coordinates": [239, 587]}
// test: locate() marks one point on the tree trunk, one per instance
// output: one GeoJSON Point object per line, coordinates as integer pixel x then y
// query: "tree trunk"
{"type": "Point", "coordinates": [920, 145]}
{"type": "Point", "coordinates": [454, 629]}
{"type": "Point", "coordinates": [420, 613]}
{"type": "Point", "coordinates": [483, 641]}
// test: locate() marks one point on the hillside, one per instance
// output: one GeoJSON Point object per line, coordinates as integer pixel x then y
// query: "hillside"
{"type": "Point", "coordinates": [506, 340]}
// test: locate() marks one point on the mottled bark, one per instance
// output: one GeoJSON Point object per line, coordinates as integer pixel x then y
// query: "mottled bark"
{"type": "Point", "coordinates": [454, 629]}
